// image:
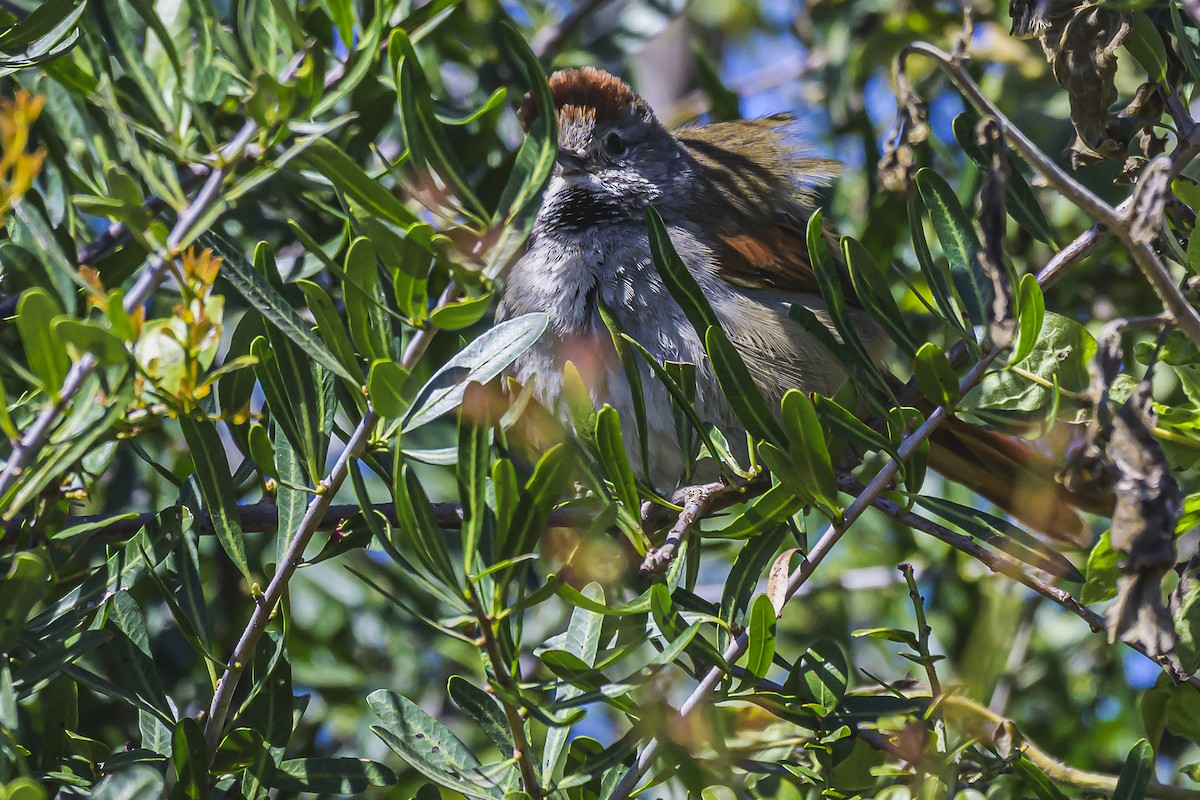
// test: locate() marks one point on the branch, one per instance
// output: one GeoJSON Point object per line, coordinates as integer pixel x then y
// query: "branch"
{"type": "Point", "coordinates": [1005, 567]}
{"type": "Point", "coordinates": [696, 500]}
{"type": "Point", "coordinates": [243, 652]}
{"type": "Point", "coordinates": [1123, 220]}
{"type": "Point", "coordinates": [313, 516]}
{"type": "Point", "coordinates": [549, 41]}
{"type": "Point", "coordinates": [796, 579]}
{"type": "Point", "coordinates": [522, 752]}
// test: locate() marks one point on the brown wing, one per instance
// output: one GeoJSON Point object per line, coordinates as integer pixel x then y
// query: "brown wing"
{"type": "Point", "coordinates": [775, 256]}
{"type": "Point", "coordinates": [763, 203]}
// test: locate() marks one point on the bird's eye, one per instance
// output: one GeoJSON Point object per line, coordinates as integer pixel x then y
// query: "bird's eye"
{"type": "Point", "coordinates": [614, 145]}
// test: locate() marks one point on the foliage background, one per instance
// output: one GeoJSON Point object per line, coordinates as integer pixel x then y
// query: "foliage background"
{"type": "Point", "coordinates": [138, 95]}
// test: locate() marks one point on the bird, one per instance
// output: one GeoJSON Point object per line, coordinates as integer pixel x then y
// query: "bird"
{"type": "Point", "coordinates": [735, 198]}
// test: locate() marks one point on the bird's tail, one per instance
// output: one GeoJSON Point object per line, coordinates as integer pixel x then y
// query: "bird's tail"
{"type": "Point", "coordinates": [1017, 478]}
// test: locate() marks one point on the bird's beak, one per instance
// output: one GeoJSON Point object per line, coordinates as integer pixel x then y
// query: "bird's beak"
{"type": "Point", "coordinates": [570, 162]}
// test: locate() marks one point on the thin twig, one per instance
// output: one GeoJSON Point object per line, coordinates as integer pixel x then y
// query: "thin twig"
{"type": "Point", "coordinates": [265, 605]}
{"type": "Point", "coordinates": [317, 511]}
{"type": "Point", "coordinates": [926, 656]}
{"type": "Point", "coordinates": [522, 752]}
{"type": "Point", "coordinates": [695, 503]}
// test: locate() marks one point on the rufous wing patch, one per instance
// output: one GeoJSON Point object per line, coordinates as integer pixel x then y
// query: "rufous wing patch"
{"type": "Point", "coordinates": [772, 257]}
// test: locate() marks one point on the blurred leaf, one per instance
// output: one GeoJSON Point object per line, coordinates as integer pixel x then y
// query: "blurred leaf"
{"type": "Point", "coordinates": [25, 584]}
{"type": "Point", "coordinates": [1136, 773]}
{"type": "Point", "coordinates": [760, 647]}
{"type": "Point", "coordinates": [325, 776]}
{"type": "Point", "coordinates": [46, 355]}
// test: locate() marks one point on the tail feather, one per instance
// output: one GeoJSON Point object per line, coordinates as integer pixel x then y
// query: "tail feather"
{"type": "Point", "coordinates": [1016, 478]}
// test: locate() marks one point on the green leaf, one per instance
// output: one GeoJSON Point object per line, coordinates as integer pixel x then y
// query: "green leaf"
{"type": "Point", "coordinates": [959, 242]}
{"type": "Point", "coordinates": [887, 634]}
{"type": "Point", "coordinates": [935, 274]}
{"type": "Point", "coordinates": [935, 376]}
{"type": "Point", "coordinates": [819, 676]}
{"type": "Point", "coordinates": [541, 492]}
{"type": "Point", "coordinates": [674, 273]}
{"type": "Point", "coordinates": [830, 282]}
{"type": "Point", "coordinates": [1035, 779]}
{"type": "Point", "coordinates": [258, 292]}
{"type": "Point", "coordinates": [1146, 46]}
{"type": "Point", "coordinates": [131, 653]}
{"type": "Point", "coordinates": [216, 487]}
{"type": "Point", "coordinates": [1136, 773]}
{"type": "Point", "coordinates": [190, 757]}
{"type": "Point", "coordinates": [1101, 572]}
{"type": "Point", "coordinates": [369, 325]}
{"type": "Point", "coordinates": [474, 465]}
{"type": "Point", "coordinates": [480, 361]}
{"type": "Point", "coordinates": [418, 528]}
{"type": "Point", "coordinates": [23, 587]}
{"type": "Point", "coordinates": [422, 132]}
{"type": "Point", "coordinates": [1003, 535]}
{"type": "Point", "coordinates": [327, 776]}
{"type": "Point", "coordinates": [1019, 200]}
{"type": "Point", "coordinates": [739, 387]}
{"type": "Point", "coordinates": [385, 385]}
{"type": "Point", "coordinates": [428, 746]}
{"type": "Point", "coordinates": [582, 640]}
{"type": "Point", "coordinates": [348, 177]}
{"type": "Point", "coordinates": [261, 450]}
{"type": "Point", "coordinates": [611, 448]}
{"type": "Point", "coordinates": [483, 708]}
{"type": "Point", "coordinates": [760, 647]}
{"type": "Point", "coordinates": [1063, 351]}
{"type": "Point", "coordinates": [871, 286]}
{"type": "Point", "coordinates": [45, 354]}
{"type": "Point", "coordinates": [461, 313]}
{"type": "Point", "coordinates": [771, 509]}
{"type": "Point", "coordinates": [807, 449]}
{"type": "Point", "coordinates": [88, 336]}
{"type": "Point", "coordinates": [1031, 305]}
{"type": "Point", "coordinates": [841, 420]}
{"type": "Point", "coordinates": [331, 330]}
